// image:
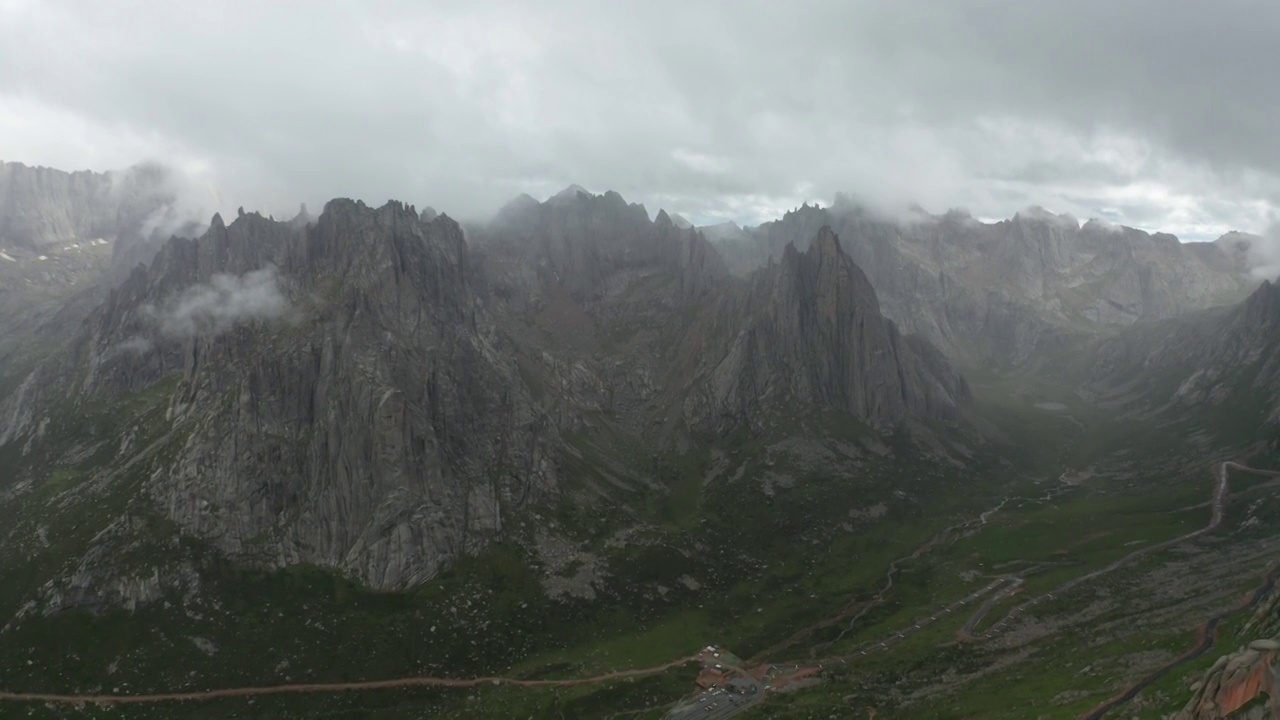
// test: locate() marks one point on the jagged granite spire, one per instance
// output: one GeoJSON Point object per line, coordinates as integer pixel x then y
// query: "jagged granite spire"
{"type": "Point", "coordinates": [809, 333]}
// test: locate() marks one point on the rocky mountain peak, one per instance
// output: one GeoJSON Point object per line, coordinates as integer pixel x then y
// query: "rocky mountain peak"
{"type": "Point", "coordinates": [519, 206]}
{"type": "Point", "coordinates": [810, 333]}
{"type": "Point", "coordinates": [302, 218]}
{"type": "Point", "coordinates": [846, 201]}
{"type": "Point", "coordinates": [721, 232]}
{"type": "Point", "coordinates": [826, 244]}
{"type": "Point", "coordinates": [1037, 214]}
{"type": "Point", "coordinates": [826, 278]}
{"type": "Point", "coordinates": [1236, 240]}
{"type": "Point", "coordinates": [1262, 308]}
{"type": "Point", "coordinates": [580, 242]}
{"type": "Point", "coordinates": [573, 192]}
{"type": "Point", "coordinates": [1098, 226]}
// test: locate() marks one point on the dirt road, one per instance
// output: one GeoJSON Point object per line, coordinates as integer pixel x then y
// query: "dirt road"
{"type": "Point", "coordinates": [409, 682]}
{"type": "Point", "coordinates": [944, 538]}
{"type": "Point", "coordinates": [1218, 500]}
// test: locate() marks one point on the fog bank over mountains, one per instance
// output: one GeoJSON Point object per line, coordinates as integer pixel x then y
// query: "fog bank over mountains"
{"type": "Point", "coordinates": [1005, 292]}
{"type": "Point", "coordinates": [738, 114]}
{"type": "Point", "coordinates": [170, 200]}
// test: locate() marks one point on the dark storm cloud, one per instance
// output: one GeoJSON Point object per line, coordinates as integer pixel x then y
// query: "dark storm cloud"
{"type": "Point", "coordinates": [1151, 113]}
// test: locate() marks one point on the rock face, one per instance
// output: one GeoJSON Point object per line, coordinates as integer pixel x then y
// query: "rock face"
{"type": "Point", "coordinates": [1211, 359]}
{"type": "Point", "coordinates": [579, 241]}
{"type": "Point", "coordinates": [65, 235]}
{"type": "Point", "coordinates": [681, 222]}
{"type": "Point", "coordinates": [40, 206]}
{"type": "Point", "coordinates": [1009, 291]}
{"type": "Point", "coordinates": [367, 392]}
{"type": "Point", "coordinates": [596, 298]}
{"type": "Point", "coordinates": [44, 294]}
{"type": "Point", "coordinates": [808, 332]}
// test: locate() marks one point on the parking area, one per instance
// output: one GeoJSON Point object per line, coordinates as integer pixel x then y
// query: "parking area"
{"type": "Point", "coordinates": [714, 704]}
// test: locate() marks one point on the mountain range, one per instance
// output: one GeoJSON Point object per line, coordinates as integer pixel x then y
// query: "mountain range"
{"type": "Point", "coordinates": [1011, 291]}
{"type": "Point", "coordinates": [363, 393]}
{"type": "Point", "coordinates": [378, 427]}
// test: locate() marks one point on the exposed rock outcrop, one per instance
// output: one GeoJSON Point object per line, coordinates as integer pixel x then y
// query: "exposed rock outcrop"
{"type": "Point", "coordinates": [1242, 685]}
{"type": "Point", "coordinates": [808, 332]}
{"type": "Point", "coordinates": [1243, 679]}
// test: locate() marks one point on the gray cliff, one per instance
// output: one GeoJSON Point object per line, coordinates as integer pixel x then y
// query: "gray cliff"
{"type": "Point", "coordinates": [808, 332]}
{"type": "Point", "coordinates": [41, 207]}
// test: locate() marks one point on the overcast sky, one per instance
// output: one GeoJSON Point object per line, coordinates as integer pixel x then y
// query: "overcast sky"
{"type": "Point", "coordinates": [1162, 114]}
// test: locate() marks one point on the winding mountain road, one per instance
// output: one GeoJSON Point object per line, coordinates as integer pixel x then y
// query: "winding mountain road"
{"type": "Point", "coordinates": [946, 536]}
{"type": "Point", "coordinates": [1206, 634]}
{"type": "Point", "coordinates": [1219, 495]}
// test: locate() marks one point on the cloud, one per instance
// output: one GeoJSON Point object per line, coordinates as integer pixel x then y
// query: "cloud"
{"type": "Point", "coordinates": [1104, 225]}
{"type": "Point", "coordinates": [1064, 221]}
{"type": "Point", "coordinates": [186, 214]}
{"type": "Point", "coordinates": [187, 199]}
{"type": "Point", "coordinates": [226, 300]}
{"type": "Point", "coordinates": [135, 345]}
{"type": "Point", "coordinates": [1263, 254]}
{"type": "Point", "coordinates": [723, 111]}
